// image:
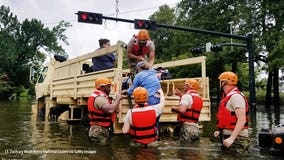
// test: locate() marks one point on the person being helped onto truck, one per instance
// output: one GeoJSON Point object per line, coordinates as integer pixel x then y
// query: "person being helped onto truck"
{"type": "Point", "coordinates": [139, 47]}
{"type": "Point", "coordinates": [140, 121]}
{"type": "Point", "coordinates": [232, 116]}
{"type": "Point", "coordinates": [188, 111]}
{"type": "Point", "coordinates": [103, 62]}
{"type": "Point", "coordinates": [102, 111]}
{"type": "Point", "coordinates": [146, 78]}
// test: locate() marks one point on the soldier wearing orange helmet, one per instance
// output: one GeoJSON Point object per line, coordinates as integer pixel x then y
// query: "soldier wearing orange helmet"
{"type": "Point", "coordinates": [232, 116]}
{"type": "Point", "coordinates": [139, 47]}
{"type": "Point", "coordinates": [189, 110]}
{"type": "Point", "coordinates": [102, 111]}
{"type": "Point", "coordinates": [140, 122]}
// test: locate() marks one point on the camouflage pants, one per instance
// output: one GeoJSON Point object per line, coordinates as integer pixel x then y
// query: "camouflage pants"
{"type": "Point", "coordinates": [137, 144]}
{"type": "Point", "coordinates": [132, 67]}
{"type": "Point", "coordinates": [189, 132]}
{"type": "Point", "coordinates": [99, 134]}
{"type": "Point", "coordinates": [240, 145]}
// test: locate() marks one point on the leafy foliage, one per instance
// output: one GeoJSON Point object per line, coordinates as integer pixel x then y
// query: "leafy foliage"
{"type": "Point", "coordinates": [262, 18]}
{"type": "Point", "coordinates": [22, 45]}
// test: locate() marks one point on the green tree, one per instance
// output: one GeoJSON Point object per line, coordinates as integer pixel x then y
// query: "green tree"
{"type": "Point", "coordinates": [22, 44]}
{"type": "Point", "coordinates": [209, 15]}
{"type": "Point", "coordinates": [265, 19]}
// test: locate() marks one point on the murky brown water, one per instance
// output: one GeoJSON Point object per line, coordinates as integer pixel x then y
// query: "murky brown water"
{"type": "Point", "coordinates": [22, 136]}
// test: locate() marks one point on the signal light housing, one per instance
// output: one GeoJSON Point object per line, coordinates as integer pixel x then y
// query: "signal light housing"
{"type": "Point", "coordinates": [196, 50]}
{"type": "Point", "coordinates": [89, 17]}
{"type": "Point", "coordinates": [216, 48]}
{"type": "Point", "coordinates": [145, 24]}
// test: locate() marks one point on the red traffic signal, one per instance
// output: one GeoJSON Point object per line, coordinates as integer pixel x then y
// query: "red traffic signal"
{"type": "Point", "coordinates": [89, 17]}
{"type": "Point", "coordinates": [144, 24]}
{"type": "Point", "coordinates": [140, 24]}
{"type": "Point", "coordinates": [84, 16]}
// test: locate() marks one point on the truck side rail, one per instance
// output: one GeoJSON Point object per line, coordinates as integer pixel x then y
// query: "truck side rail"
{"type": "Point", "coordinates": [71, 85]}
{"type": "Point", "coordinates": [169, 86]}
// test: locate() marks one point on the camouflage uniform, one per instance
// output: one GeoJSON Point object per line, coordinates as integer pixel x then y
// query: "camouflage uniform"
{"type": "Point", "coordinates": [99, 134]}
{"type": "Point", "coordinates": [189, 131]}
{"type": "Point", "coordinates": [133, 69]}
{"type": "Point", "coordinates": [137, 144]}
{"type": "Point", "coordinates": [240, 145]}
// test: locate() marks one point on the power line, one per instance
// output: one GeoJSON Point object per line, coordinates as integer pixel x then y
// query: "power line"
{"type": "Point", "coordinates": [126, 12]}
{"type": "Point", "coordinates": [138, 10]}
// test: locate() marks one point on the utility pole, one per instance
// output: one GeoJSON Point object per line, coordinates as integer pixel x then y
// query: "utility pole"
{"type": "Point", "coordinates": [231, 32]}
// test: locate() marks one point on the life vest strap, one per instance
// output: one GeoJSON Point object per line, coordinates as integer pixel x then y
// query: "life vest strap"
{"type": "Point", "coordinates": [142, 128]}
{"type": "Point", "coordinates": [144, 137]}
{"type": "Point", "coordinates": [189, 118]}
{"type": "Point", "coordinates": [100, 120]}
{"type": "Point", "coordinates": [195, 111]}
{"type": "Point", "coordinates": [233, 123]}
{"type": "Point", "coordinates": [98, 114]}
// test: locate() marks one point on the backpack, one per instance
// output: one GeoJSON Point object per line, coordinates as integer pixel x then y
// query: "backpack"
{"type": "Point", "coordinates": [163, 73]}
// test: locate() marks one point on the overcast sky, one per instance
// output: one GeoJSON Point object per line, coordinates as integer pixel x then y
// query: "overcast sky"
{"type": "Point", "coordinates": [83, 37]}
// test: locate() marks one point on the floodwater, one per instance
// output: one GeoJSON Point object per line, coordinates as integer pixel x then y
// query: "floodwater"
{"type": "Point", "coordinates": [22, 136]}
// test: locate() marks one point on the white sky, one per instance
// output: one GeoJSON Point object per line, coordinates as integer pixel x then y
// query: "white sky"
{"type": "Point", "coordinates": [83, 37]}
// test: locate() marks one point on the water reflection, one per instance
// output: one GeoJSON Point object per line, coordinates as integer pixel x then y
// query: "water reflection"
{"type": "Point", "coordinates": [22, 136]}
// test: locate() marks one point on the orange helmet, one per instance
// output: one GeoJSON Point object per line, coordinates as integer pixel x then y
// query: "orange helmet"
{"type": "Point", "coordinates": [143, 35]}
{"type": "Point", "coordinates": [228, 77]}
{"type": "Point", "coordinates": [193, 83]}
{"type": "Point", "coordinates": [140, 95]}
{"type": "Point", "coordinates": [102, 82]}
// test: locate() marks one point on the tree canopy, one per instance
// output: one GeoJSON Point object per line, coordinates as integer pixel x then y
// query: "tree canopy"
{"type": "Point", "coordinates": [22, 45]}
{"type": "Point", "coordinates": [262, 18]}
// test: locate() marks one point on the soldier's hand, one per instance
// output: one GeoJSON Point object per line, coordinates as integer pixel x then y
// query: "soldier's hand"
{"type": "Point", "coordinates": [140, 58]}
{"type": "Point", "coordinates": [178, 92]}
{"type": "Point", "coordinates": [118, 97]}
{"type": "Point", "coordinates": [216, 133]}
{"type": "Point", "coordinates": [160, 91]}
{"type": "Point", "coordinates": [173, 110]}
{"type": "Point", "coordinates": [124, 92]}
{"type": "Point", "coordinates": [228, 142]}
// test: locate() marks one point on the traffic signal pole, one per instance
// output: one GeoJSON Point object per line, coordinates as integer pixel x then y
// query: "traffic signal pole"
{"type": "Point", "coordinates": [118, 19]}
{"type": "Point", "coordinates": [249, 45]}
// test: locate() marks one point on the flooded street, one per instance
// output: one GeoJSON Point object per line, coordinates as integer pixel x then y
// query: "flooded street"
{"type": "Point", "coordinates": [22, 136]}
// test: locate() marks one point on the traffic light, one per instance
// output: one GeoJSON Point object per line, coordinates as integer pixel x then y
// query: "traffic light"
{"type": "Point", "coordinates": [144, 24]}
{"type": "Point", "coordinates": [216, 48]}
{"type": "Point", "coordinates": [89, 17]}
{"type": "Point", "coordinates": [196, 50]}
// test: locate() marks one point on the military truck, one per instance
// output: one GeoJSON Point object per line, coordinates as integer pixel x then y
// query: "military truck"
{"type": "Point", "coordinates": [65, 84]}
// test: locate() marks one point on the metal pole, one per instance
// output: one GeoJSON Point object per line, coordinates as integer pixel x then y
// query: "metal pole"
{"type": "Point", "coordinates": [251, 74]}
{"type": "Point", "coordinates": [231, 32]}
{"type": "Point", "coordinates": [203, 31]}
